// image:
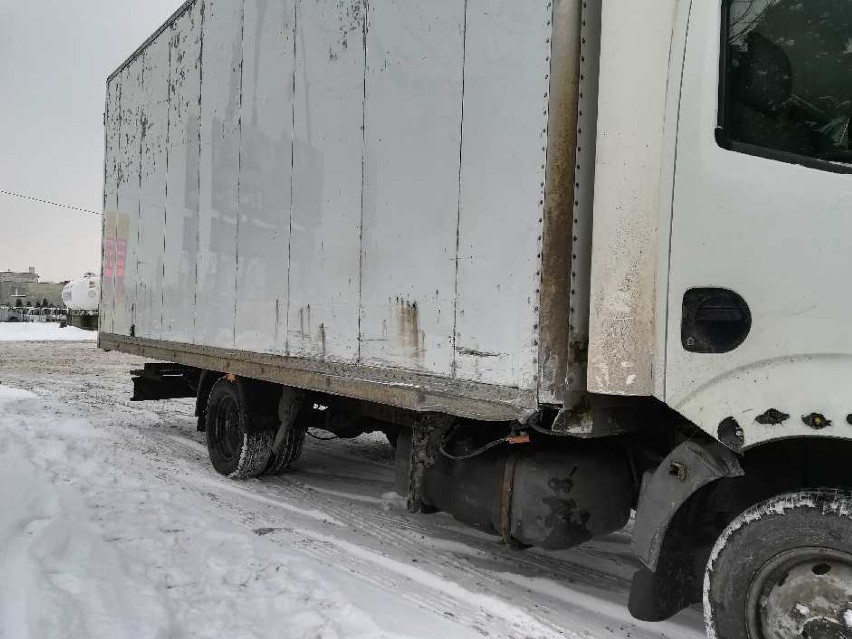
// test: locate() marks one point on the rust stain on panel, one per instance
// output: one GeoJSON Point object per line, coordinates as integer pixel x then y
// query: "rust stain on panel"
{"type": "Point", "coordinates": [409, 334]}
{"type": "Point", "coordinates": [559, 195]}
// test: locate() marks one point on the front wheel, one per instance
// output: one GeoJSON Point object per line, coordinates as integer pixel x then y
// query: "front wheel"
{"type": "Point", "coordinates": [238, 448]}
{"type": "Point", "coordinates": [783, 569]}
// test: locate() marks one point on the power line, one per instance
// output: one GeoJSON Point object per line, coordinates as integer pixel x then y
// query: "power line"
{"type": "Point", "coordinates": [41, 201]}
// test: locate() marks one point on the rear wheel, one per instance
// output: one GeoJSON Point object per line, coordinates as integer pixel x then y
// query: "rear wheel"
{"type": "Point", "coordinates": [783, 569]}
{"type": "Point", "coordinates": [290, 433]}
{"type": "Point", "coordinates": [237, 448]}
{"type": "Point", "coordinates": [289, 448]}
{"type": "Point", "coordinates": [392, 435]}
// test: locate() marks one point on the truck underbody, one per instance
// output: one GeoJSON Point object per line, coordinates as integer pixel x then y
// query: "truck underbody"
{"type": "Point", "coordinates": [523, 482]}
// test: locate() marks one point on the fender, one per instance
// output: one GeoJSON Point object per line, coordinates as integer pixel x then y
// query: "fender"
{"type": "Point", "coordinates": [688, 468]}
{"type": "Point", "coordinates": [665, 585]}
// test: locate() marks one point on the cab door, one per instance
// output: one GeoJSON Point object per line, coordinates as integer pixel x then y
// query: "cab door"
{"type": "Point", "coordinates": [759, 342]}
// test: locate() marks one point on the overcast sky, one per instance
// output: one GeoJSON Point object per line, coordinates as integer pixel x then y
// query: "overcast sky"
{"type": "Point", "coordinates": [55, 56]}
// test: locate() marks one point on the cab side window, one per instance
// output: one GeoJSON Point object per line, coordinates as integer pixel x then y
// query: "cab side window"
{"type": "Point", "coordinates": [787, 79]}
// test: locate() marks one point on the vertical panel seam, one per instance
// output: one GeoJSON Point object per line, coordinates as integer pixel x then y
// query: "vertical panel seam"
{"type": "Point", "coordinates": [104, 203]}
{"type": "Point", "coordinates": [454, 364]}
{"type": "Point", "coordinates": [359, 310]}
{"type": "Point", "coordinates": [115, 215]}
{"type": "Point", "coordinates": [166, 202]}
{"type": "Point", "coordinates": [239, 169]}
{"type": "Point", "coordinates": [198, 172]}
{"type": "Point", "coordinates": [101, 305]}
{"type": "Point", "coordinates": [143, 131]}
{"type": "Point", "coordinates": [292, 173]}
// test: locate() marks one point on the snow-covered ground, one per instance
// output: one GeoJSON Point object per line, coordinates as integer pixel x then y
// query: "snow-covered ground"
{"type": "Point", "coordinates": [113, 525]}
{"type": "Point", "coordinates": [43, 332]}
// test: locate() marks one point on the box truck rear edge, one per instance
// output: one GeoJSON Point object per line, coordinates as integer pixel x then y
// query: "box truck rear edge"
{"type": "Point", "coordinates": [574, 258]}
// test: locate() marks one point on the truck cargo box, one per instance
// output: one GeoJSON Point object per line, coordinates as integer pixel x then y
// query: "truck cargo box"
{"type": "Point", "coordinates": [372, 199]}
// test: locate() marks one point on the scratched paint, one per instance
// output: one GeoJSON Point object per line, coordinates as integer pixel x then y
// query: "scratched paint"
{"type": "Point", "coordinates": [127, 223]}
{"type": "Point", "coordinates": [152, 205]}
{"type": "Point", "coordinates": [181, 223]}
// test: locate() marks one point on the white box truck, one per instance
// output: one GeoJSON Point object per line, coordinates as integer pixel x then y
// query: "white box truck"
{"type": "Point", "coordinates": [576, 258]}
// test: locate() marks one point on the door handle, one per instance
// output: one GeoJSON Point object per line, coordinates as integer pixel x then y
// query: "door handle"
{"type": "Point", "coordinates": [715, 320]}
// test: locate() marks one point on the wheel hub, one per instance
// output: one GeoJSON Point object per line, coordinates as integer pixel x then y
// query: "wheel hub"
{"type": "Point", "coordinates": [805, 593]}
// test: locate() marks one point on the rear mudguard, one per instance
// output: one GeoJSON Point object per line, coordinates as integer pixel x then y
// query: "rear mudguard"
{"type": "Point", "coordinates": [688, 468]}
{"type": "Point", "coordinates": [668, 581]}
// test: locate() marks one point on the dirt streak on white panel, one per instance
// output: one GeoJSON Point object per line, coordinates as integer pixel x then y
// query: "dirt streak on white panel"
{"type": "Point", "coordinates": [635, 46]}
{"type": "Point", "coordinates": [502, 185]}
{"type": "Point", "coordinates": [181, 224]}
{"type": "Point", "coordinates": [220, 145]}
{"type": "Point", "coordinates": [265, 174]}
{"type": "Point", "coordinates": [325, 243]}
{"type": "Point", "coordinates": [413, 127]}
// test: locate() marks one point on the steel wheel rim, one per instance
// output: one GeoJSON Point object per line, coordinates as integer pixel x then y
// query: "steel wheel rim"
{"type": "Point", "coordinates": [227, 438]}
{"type": "Point", "coordinates": [806, 592]}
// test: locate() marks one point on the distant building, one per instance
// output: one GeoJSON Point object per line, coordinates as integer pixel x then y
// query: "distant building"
{"type": "Point", "coordinates": [24, 289]}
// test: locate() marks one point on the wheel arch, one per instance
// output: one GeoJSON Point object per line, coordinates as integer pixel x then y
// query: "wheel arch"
{"type": "Point", "coordinates": [205, 383]}
{"type": "Point", "coordinates": [678, 520]}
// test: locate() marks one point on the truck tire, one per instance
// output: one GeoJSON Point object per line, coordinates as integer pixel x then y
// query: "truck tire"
{"type": "Point", "coordinates": [291, 449]}
{"type": "Point", "coordinates": [237, 450]}
{"type": "Point", "coordinates": [392, 435]}
{"type": "Point", "coordinates": [783, 569]}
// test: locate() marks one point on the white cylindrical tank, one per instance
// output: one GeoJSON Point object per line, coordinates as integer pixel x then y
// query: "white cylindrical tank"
{"type": "Point", "coordinates": [83, 294]}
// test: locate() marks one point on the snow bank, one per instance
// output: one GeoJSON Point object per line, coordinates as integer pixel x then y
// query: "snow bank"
{"type": "Point", "coordinates": [8, 394]}
{"type": "Point", "coordinates": [91, 547]}
{"type": "Point", "coordinates": [43, 332]}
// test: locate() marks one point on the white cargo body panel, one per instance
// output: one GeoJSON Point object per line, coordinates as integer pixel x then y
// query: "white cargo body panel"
{"type": "Point", "coordinates": [412, 135]}
{"type": "Point", "coordinates": [265, 175]}
{"type": "Point", "coordinates": [221, 95]}
{"type": "Point", "coordinates": [505, 90]}
{"type": "Point", "coordinates": [112, 141]}
{"type": "Point", "coordinates": [181, 221]}
{"type": "Point", "coordinates": [325, 248]}
{"type": "Point", "coordinates": [129, 183]}
{"type": "Point", "coordinates": [152, 205]}
{"type": "Point", "coordinates": [352, 190]}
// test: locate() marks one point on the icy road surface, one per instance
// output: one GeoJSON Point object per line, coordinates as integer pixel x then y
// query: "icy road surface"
{"type": "Point", "coordinates": [113, 525]}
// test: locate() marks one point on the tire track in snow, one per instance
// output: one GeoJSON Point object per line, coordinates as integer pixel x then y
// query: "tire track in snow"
{"type": "Point", "coordinates": [406, 535]}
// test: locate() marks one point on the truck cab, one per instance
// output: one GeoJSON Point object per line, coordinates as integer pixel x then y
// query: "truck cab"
{"type": "Point", "coordinates": [720, 212]}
